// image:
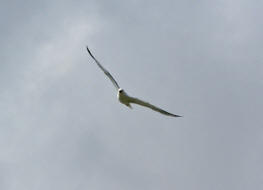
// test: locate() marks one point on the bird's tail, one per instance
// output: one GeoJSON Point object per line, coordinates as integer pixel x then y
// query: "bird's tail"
{"type": "Point", "coordinates": [129, 105]}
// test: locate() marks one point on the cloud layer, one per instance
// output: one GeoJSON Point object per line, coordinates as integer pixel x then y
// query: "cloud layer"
{"type": "Point", "coordinates": [62, 127]}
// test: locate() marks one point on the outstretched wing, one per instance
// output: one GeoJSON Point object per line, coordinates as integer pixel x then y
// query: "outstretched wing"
{"type": "Point", "coordinates": [104, 70]}
{"type": "Point", "coordinates": [146, 104]}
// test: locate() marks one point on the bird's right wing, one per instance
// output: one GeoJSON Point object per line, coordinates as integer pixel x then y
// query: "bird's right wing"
{"type": "Point", "coordinates": [104, 70]}
{"type": "Point", "coordinates": [146, 104]}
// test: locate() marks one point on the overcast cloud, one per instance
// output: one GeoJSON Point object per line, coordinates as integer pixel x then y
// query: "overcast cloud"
{"type": "Point", "coordinates": [61, 126]}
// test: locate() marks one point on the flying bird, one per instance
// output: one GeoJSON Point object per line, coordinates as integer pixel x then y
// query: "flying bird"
{"type": "Point", "coordinates": [124, 98]}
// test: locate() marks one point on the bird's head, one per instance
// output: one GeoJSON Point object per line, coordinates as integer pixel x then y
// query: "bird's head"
{"type": "Point", "coordinates": [120, 90]}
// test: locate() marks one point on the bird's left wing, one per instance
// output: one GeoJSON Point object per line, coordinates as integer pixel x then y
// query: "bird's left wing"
{"type": "Point", "coordinates": [104, 70]}
{"type": "Point", "coordinates": [146, 104]}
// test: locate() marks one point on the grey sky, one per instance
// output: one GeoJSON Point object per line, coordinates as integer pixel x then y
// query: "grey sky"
{"type": "Point", "coordinates": [61, 126]}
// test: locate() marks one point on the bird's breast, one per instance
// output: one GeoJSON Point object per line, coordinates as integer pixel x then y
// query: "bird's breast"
{"type": "Point", "coordinates": [123, 98]}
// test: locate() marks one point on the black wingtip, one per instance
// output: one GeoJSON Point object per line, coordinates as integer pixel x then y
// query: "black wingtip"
{"type": "Point", "coordinates": [88, 49]}
{"type": "Point", "coordinates": [176, 115]}
{"type": "Point", "coordinates": [90, 52]}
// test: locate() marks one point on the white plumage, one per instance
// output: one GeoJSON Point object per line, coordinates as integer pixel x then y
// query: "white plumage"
{"type": "Point", "coordinates": [124, 98]}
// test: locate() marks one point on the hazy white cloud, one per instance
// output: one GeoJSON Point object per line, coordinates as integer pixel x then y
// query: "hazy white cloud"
{"type": "Point", "coordinates": [62, 127]}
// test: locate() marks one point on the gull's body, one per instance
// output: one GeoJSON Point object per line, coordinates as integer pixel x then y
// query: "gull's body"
{"type": "Point", "coordinates": [124, 98]}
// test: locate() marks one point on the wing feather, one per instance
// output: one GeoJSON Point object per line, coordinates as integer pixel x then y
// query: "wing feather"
{"type": "Point", "coordinates": [146, 104]}
{"type": "Point", "coordinates": [105, 71]}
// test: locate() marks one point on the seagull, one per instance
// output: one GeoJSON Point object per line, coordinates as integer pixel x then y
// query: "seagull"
{"type": "Point", "coordinates": [124, 98]}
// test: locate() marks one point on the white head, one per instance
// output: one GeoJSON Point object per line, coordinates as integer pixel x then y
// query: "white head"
{"type": "Point", "coordinates": [120, 90]}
